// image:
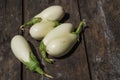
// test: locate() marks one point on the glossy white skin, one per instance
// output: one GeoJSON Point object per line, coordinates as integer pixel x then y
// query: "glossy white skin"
{"type": "Point", "coordinates": [40, 30]}
{"type": "Point", "coordinates": [20, 48]}
{"type": "Point", "coordinates": [59, 30]}
{"type": "Point", "coordinates": [61, 45]}
{"type": "Point", "coordinates": [52, 13]}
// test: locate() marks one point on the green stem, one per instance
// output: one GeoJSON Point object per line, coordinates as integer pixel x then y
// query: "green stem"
{"type": "Point", "coordinates": [40, 71]}
{"type": "Point", "coordinates": [30, 23]}
{"type": "Point", "coordinates": [79, 28]}
{"type": "Point", "coordinates": [33, 65]}
{"type": "Point", "coordinates": [44, 55]}
{"type": "Point", "coordinates": [42, 48]}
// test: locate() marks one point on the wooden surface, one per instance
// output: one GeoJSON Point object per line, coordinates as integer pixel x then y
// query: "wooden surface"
{"type": "Point", "coordinates": [95, 57]}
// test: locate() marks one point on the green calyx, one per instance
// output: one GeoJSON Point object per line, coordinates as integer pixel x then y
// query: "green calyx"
{"type": "Point", "coordinates": [31, 22]}
{"type": "Point", "coordinates": [55, 22]}
{"type": "Point", "coordinates": [42, 48]}
{"type": "Point", "coordinates": [33, 65]}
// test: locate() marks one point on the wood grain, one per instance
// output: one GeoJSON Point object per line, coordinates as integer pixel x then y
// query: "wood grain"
{"type": "Point", "coordinates": [102, 37]}
{"type": "Point", "coordinates": [10, 20]}
{"type": "Point", "coordinates": [70, 67]}
{"type": "Point", "coordinates": [95, 57]}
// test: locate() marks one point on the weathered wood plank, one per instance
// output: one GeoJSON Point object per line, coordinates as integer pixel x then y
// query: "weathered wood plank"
{"type": "Point", "coordinates": [72, 67]}
{"type": "Point", "coordinates": [102, 37]}
{"type": "Point", "coordinates": [10, 20]}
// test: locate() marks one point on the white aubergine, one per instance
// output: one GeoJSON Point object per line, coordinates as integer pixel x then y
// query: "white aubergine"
{"type": "Point", "coordinates": [59, 30]}
{"type": "Point", "coordinates": [23, 52]}
{"type": "Point", "coordinates": [40, 30]}
{"type": "Point", "coordinates": [52, 13]}
{"type": "Point", "coordinates": [61, 45]}
{"type": "Point", "coordinates": [58, 42]}
{"type": "Point", "coordinates": [21, 48]}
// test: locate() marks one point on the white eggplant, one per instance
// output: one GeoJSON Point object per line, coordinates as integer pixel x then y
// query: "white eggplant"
{"type": "Point", "coordinates": [60, 30]}
{"type": "Point", "coordinates": [59, 41]}
{"type": "Point", "coordinates": [61, 45]}
{"type": "Point", "coordinates": [52, 13]}
{"type": "Point", "coordinates": [23, 52]}
{"type": "Point", "coordinates": [39, 30]}
{"type": "Point", "coordinates": [20, 48]}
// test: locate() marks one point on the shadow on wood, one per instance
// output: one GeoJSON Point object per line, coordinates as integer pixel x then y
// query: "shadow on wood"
{"type": "Point", "coordinates": [65, 18]}
{"type": "Point", "coordinates": [35, 54]}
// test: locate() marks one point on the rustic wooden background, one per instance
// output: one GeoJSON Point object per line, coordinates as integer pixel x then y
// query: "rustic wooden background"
{"type": "Point", "coordinates": [95, 57]}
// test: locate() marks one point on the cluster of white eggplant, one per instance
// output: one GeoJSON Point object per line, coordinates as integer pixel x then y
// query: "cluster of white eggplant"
{"type": "Point", "coordinates": [44, 22]}
{"type": "Point", "coordinates": [41, 24]}
{"type": "Point", "coordinates": [56, 39]}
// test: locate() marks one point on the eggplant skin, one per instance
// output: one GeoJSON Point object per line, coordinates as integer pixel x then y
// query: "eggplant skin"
{"type": "Point", "coordinates": [39, 30]}
{"type": "Point", "coordinates": [20, 48]}
{"type": "Point", "coordinates": [55, 12]}
{"type": "Point", "coordinates": [59, 30]}
{"type": "Point", "coordinates": [61, 45]}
